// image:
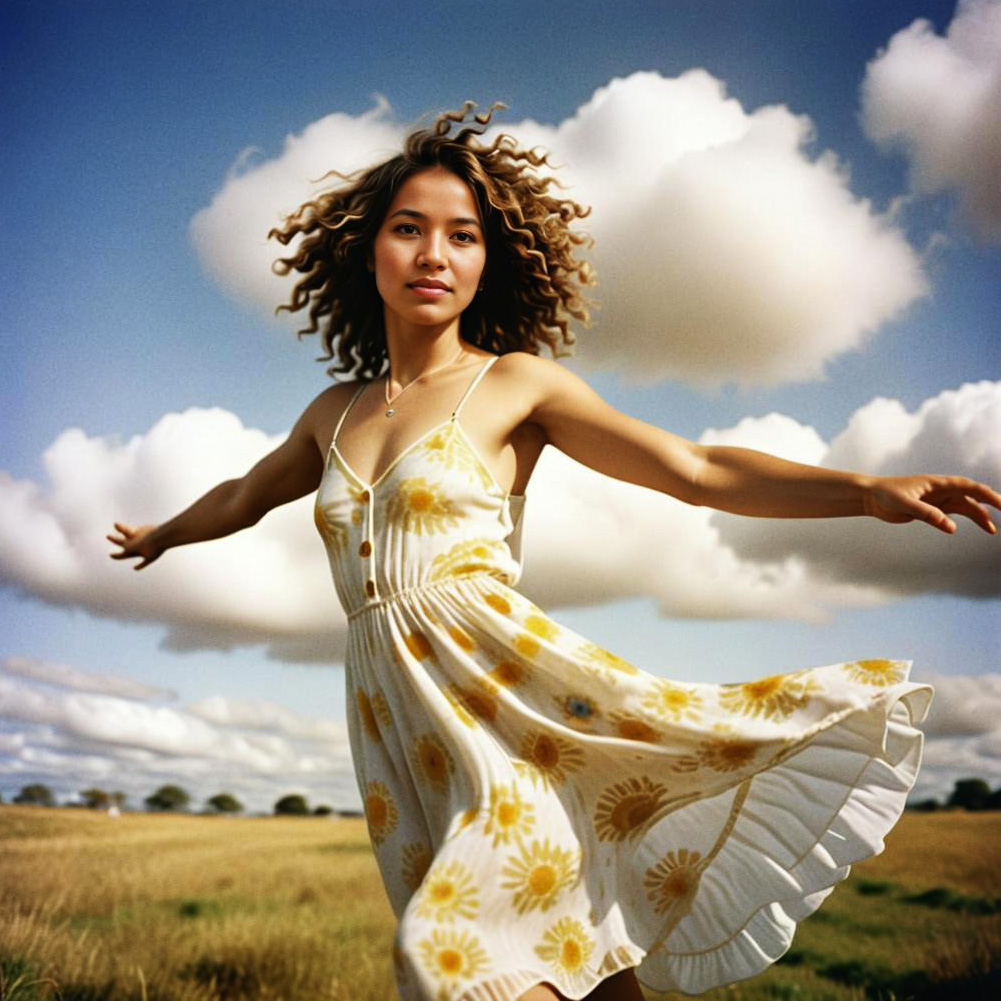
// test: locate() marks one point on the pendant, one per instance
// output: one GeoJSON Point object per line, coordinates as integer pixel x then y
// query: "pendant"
{"type": "Point", "coordinates": [390, 412]}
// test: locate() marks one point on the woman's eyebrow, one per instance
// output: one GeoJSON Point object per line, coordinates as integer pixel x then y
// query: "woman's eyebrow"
{"type": "Point", "coordinates": [414, 214]}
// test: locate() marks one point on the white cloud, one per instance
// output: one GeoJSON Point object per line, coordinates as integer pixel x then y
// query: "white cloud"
{"type": "Point", "coordinates": [271, 584]}
{"type": "Point", "coordinates": [725, 251]}
{"type": "Point", "coordinates": [261, 714]}
{"type": "Point", "coordinates": [65, 676]}
{"type": "Point", "coordinates": [954, 432]}
{"type": "Point", "coordinates": [256, 749]}
{"type": "Point", "coordinates": [964, 706]}
{"type": "Point", "coordinates": [939, 98]}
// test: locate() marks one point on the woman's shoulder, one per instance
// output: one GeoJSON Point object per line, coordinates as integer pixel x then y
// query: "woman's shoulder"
{"type": "Point", "coordinates": [524, 363]}
{"type": "Point", "coordinates": [330, 402]}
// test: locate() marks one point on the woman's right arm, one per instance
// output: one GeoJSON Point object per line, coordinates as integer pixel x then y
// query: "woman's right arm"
{"type": "Point", "coordinates": [289, 472]}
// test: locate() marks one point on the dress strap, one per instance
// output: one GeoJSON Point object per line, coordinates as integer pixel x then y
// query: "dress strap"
{"type": "Point", "coordinates": [476, 380]}
{"type": "Point", "coordinates": [344, 412]}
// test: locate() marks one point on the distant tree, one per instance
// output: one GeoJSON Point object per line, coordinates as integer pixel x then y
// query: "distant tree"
{"type": "Point", "coordinates": [96, 799]}
{"type": "Point", "coordinates": [993, 802]}
{"type": "Point", "coordinates": [118, 798]}
{"type": "Point", "coordinates": [35, 795]}
{"type": "Point", "coordinates": [925, 805]}
{"type": "Point", "coordinates": [322, 811]}
{"type": "Point", "coordinates": [168, 797]}
{"type": "Point", "coordinates": [292, 805]}
{"type": "Point", "coordinates": [224, 802]}
{"type": "Point", "coordinates": [971, 794]}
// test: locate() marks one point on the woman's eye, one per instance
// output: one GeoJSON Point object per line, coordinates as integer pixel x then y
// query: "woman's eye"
{"type": "Point", "coordinates": [464, 237]}
{"type": "Point", "coordinates": [407, 228]}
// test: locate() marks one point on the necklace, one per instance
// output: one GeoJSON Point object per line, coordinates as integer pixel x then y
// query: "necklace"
{"type": "Point", "coordinates": [389, 403]}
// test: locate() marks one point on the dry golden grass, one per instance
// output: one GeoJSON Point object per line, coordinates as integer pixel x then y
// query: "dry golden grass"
{"type": "Point", "coordinates": [184, 908]}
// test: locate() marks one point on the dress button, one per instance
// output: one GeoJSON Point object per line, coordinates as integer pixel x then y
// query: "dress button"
{"type": "Point", "coordinates": [365, 549]}
{"type": "Point", "coordinates": [370, 588]}
{"type": "Point", "coordinates": [364, 497]}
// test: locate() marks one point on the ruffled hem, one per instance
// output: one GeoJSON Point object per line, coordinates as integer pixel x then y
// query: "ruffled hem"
{"type": "Point", "coordinates": [794, 831]}
{"type": "Point", "coordinates": [788, 835]}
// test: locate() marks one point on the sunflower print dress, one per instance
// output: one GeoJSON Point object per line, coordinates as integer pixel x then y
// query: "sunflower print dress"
{"type": "Point", "coordinates": [540, 809]}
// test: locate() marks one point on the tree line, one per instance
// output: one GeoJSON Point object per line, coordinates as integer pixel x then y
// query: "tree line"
{"type": "Point", "coordinates": [967, 794]}
{"type": "Point", "coordinates": [169, 798]}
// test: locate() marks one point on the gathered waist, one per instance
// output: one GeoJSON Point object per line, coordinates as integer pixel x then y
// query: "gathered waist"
{"type": "Point", "coordinates": [419, 589]}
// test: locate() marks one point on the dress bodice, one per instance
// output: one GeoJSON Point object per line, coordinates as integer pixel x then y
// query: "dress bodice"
{"type": "Point", "coordinates": [435, 512]}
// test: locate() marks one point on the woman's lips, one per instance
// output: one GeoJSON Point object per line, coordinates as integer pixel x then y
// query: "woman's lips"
{"type": "Point", "coordinates": [429, 291]}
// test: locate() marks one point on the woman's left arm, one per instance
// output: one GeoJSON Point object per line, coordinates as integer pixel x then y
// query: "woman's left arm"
{"type": "Point", "coordinates": [576, 420]}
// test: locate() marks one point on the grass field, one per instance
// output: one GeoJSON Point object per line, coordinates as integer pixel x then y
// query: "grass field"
{"type": "Point", "coordinates": [185, 908]}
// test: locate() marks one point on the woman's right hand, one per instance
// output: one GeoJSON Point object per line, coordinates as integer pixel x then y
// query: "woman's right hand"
{"type": "Point", "coordinates": [135, 542]}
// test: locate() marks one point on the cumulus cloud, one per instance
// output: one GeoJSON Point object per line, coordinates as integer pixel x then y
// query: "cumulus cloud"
{"type": "Point", "coordinates": [954, 432]}
{"type": "Point", "coordinates": [271, 584]}
{"type": "Point", "coordinates": [963, 735]}
{"type": "Point", "coordinates": [964, 706]}
{"type": "Point", "coordinates": [258, 750]}
{"type": "Point", "coordinates": [66, 676]}
{"type": "Point", "coordinates": [939, 99]}
{"type": "Point", "coordinates": [726, 251]}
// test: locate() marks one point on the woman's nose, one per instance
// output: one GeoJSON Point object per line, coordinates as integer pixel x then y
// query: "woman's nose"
{"type": "Point", "coordinates": [432, 251]}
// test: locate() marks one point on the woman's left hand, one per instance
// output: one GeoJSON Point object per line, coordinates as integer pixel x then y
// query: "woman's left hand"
{"type": "Point", "coordinates": [931, 499]}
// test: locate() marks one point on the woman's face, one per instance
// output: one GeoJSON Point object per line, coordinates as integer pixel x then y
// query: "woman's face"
{"type": "Point", "coordinates": [430, 250]}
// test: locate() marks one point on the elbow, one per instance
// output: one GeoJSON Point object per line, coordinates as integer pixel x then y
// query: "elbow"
{"type": "Point", "coordinates": [693, 482]}
{"type": "Point", "coordinates": [243, 510]}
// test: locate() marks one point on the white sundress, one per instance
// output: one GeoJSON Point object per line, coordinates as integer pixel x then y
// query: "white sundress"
{"type": "Point", "coordinates": [540, 809]}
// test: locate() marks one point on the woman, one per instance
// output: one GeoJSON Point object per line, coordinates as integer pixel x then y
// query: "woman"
{"type": "Point", "coordinates": [546, 817]}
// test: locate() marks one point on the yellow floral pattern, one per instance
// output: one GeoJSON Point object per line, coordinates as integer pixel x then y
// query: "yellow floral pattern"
{"type": "Point", "coordinates": [367, 715]}
{"type": "Point", "coordinates": [632, 727]}
{"type": "Point", "coordinates": [773, 697]}
{"type": "Point", "coordinates": [567, 947]}
{"type": "Point", "coordinates": [553, 758]}
{"type": "Point", "coordinates": [877, 672]}
{"type": "Point", "coordinates": [623, 809]}
{"type": "Point", "coordinates": [453, 956]}
{"type": "Point", "coordinates": [510, 817]}
{"type": "Point", "coordinates": [538, 874]}
{"type": "Point", "coordinates": [673, 879]}
{"type": "Point", "coordinates": [470, 556]}
{"type": "Point", "coordinates": [421, 508]}
{"type": "Point", "coordinates": [417, 860]}
{"type": "Point", "coordinates": [673, 702]}
{"type": "Point", "coordinates": [510, 673]}
{"type": "Point", "coordinates": [435, 763]}
{"type": "Point", "coordinates": [445, 447]}
{"type": "Point", "coordinates": [381, 812]}
{"type": "Point", "coordinates": [603, 660]}
{"type": "Point", "coordinates": [543, 807]}
{"type": "Point", "coordinates": [448, 892]}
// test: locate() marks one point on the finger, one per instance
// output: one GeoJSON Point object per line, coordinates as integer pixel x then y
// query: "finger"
{"type": "Point", "coordinates": [934, 517]}
{"type": "Point", "coordinates": [974, 489]}
{"type": "Point", "coordinates": [982, 492]}
{"type": "Point", "coordinates": [977, 513]}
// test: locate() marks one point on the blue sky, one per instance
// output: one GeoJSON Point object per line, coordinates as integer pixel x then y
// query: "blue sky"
{"type": "Point", "coordinates": [123, 121]}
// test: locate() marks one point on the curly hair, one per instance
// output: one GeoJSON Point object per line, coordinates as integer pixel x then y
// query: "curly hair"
{"type": "Point", "coordinates": [533, 279]}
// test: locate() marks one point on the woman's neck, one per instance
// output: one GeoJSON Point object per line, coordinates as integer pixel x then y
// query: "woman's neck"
{"type": "Point", "coordinates": [416, 350]}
